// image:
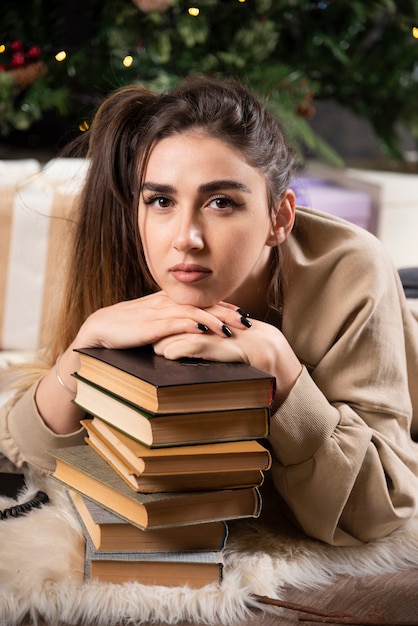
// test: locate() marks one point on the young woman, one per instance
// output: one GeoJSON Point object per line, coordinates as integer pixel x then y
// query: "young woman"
{"type": "Point", "coordinates": [187, 238]}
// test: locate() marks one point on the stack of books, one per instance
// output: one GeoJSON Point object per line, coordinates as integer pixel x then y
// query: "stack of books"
{"type": "Point", "coordinates": [172, 455]}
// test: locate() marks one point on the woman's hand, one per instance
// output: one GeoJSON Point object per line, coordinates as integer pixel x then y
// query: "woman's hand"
{"type": "Point", "coordinates": [151, 318]}
{"type": "Point", "coordinates": [220, 333]}
{"type": "Point", "coordinates": [262, 345]}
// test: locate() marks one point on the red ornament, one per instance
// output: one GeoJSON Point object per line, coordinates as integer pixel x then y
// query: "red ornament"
{"type": "Point", "coordinates": [16, 45]}
{"type": "Point", "coordinates": [18, 59]}
{"type": "Point", "coordinates": [34, 52]}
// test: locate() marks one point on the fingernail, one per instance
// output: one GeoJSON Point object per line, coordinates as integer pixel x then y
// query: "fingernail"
{"type": "Point", "coordinates": [243, 313]}
{"type": "Point", "coordinates": [246, 322]}
{"type": "Point", "coordinates": [226, 331]}
{"type": "Point", "coordinates": [202, 327]}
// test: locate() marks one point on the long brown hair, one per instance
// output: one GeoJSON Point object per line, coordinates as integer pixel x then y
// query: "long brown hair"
{"type": "Point", "coordinates": [107, 263]}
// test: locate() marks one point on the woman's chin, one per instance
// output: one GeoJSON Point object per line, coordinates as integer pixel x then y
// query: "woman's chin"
{"type": "Point", "coordinates": [200, 301]}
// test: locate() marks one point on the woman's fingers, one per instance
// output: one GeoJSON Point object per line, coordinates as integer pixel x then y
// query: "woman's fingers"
{"type": "Point", "coordinates": [212, 348]}
{"type": "Point", "coordinates": [149, 319]}
{"type": "Point", "coordinates": [220, 319]}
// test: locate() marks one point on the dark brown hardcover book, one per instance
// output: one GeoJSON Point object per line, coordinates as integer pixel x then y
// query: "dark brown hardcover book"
{"type": "Point", "coordinates": [184, 386]}
{"type": "Point", "coordinates": [169, 569]}
{"type": "Point", "coordinates": [155, 430]}
{"type": "Point", "coordinates": [215, 457]}
{"type": "Point", "coordinates": [111, 533]}
{"type": "Point", "coordinates": [81, 469]}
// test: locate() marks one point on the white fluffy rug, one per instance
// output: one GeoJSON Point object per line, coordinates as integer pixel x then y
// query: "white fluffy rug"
{"type": "Point", "coordinates": [41, 569]}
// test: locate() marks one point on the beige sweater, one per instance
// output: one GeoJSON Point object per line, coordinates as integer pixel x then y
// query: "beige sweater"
{"type": "Point", "coordinates": [344, 461]}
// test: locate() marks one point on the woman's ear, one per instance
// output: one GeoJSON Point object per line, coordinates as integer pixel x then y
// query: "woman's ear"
{"type": "Point", "coordinates": [283, 219]}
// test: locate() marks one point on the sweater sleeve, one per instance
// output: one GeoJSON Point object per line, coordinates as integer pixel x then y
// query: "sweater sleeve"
{"type": "Point", "coordinates": [344, 481]}
{"type": "Point", "coordinates": [344, 459]}
{"type": "Point", "coordinates": [24, 437]}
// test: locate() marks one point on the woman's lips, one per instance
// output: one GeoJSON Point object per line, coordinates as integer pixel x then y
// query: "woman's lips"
{"type": "Point", "coordinates": [189, 273]}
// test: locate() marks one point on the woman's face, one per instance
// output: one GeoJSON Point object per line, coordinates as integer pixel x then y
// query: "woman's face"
{"type": "Point", "coordinates": [204, 222]}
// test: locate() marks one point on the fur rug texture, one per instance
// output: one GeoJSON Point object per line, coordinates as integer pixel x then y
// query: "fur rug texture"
{"type": "Point", "coordinates": [41, 570]}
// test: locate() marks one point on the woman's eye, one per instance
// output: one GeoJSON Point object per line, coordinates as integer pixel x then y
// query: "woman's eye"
{"type": "Point", "coordinates": [223, 202]}
{"type": "Point", "coordinates": [159, 202]}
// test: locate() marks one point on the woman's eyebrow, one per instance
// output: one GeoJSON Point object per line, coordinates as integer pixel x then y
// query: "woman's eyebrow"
{"type": "Point", "coordinates": [217, 185]}
{"type": "Point", "coordinates": [210, 187]}
{"type": "Point", "coordinates": [160, 187]}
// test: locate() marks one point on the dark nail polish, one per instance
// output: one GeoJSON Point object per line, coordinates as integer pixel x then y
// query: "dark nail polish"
{"type": "Point", "coordinates": [203, 327]}
{"type": "Point", "coordinates": [246, 322]}
{"type": "Point", "coordinates": [243, 313]}
{"type": "Point", "coordinates": [226, 331]}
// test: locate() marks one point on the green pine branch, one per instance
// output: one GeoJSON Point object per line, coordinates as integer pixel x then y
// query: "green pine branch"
{"type": "Point", "coordinates": [360, 54]}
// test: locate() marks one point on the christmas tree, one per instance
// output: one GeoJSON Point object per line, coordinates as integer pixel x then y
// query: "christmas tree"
{"type": "Point", "coordinates": [59, 59]}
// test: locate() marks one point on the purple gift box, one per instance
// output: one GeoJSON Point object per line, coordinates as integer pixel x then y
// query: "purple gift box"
{"type": "Point", "coordinates": [323, 195]}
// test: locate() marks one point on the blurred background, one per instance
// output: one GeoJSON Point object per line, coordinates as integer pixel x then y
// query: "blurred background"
{"type": "Point", "coordinates": [343, 75]}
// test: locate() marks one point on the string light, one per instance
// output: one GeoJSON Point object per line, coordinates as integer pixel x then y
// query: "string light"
{"type": "Point", "coordinates": [415, 32]}
{"type": "Point", "coordinates": [2, 48]}
{"type": "Point", "coordinates": [128, 60]}
{"type": "Point", "coordinates": [194, 11]}
{"type": "Point", "coordinates": [61, 56]}
{"type": "Point", "coordinates": [83, 126]}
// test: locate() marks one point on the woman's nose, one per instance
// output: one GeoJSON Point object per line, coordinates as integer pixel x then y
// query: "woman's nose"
{"type": "Point", "coordinates": [188, 235]}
